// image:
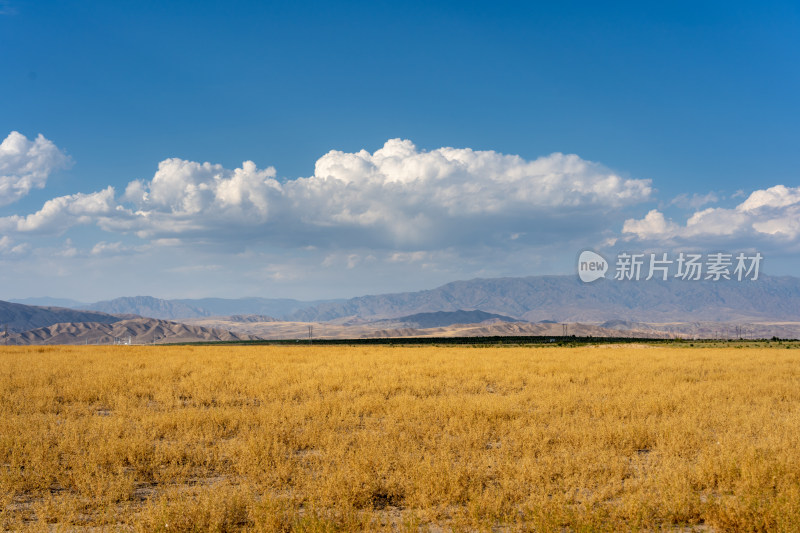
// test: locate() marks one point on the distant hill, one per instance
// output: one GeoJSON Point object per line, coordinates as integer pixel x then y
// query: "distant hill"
{"type": "Point", "coordinates": [394, 328]}
{"type": "Point", "coordinates": [197, 308]}
{"type": "Point", "coordinates": [511, 329]}
{"type": "Point", "coordinates": [273, 307]}
{"type": "Point", "coordinates": [440, 319]}
{"type": "Point", "coordinates": [19, 317]}
{"type": "Point", "coordinates": [148, 306]}
{"type": "Point", "coordinates": [251, 318]}
{"type": "Point", "coordinates": [532, 299]}
{"type": "Point", "coordinates": [567, 299]}
{"type": "Point", "coordinates": [46, 301]}
{"type": "Point", "coordinates": [137, 331]}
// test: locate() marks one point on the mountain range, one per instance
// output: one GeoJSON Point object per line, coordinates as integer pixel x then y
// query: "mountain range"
{"type": "Point", "coordinates": [532, 299]}
{"type": "Point", "coordinates": [448, 318]}
{"type": "Point", "coordinates": [567, 299]}
{"type": "Point", "coordinates": [16, 317]}
{"type": "Point", "coordinates": [134, 331]}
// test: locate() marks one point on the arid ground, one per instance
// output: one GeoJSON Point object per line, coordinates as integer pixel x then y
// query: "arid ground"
{"type": "Point", "coordinates": [345, 438]}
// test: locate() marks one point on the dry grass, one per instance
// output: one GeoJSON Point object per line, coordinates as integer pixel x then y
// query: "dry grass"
{"type": "Point", "coordinates": [409, 439]}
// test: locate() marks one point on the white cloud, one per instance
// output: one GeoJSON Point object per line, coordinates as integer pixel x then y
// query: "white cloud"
{"type": "Point", "coordinates": [114, 248]}
{"type": "Point", "coordinates": [26, 164]}
{"type": "Point", "coordinates": [778, 196]}
{"type": "Point", "coordinates": [59, 214]}
{"type": "Point", "coordinates": [67, 250]}
{"type": "Point", "coordinates": [469, 182]}
{"type": "Point", "coordinates": [773, 212]}
{"type": "Point", "coordinates": [695, 201]}
{"type": "Point", "coordinates": [8, 248]}
{"type": "Point", "coordinates": [195, 268]}
{"type": "Point", "coordinates": [184, 188]}
{"type": "Point", "coordinates": [397, 197]}
{"type": "Point", "coordinates": [653, 225]}
{"type": "Point", "coordinates": [20, 248]}
{"type": "Point", "coordinates": [408, 257]}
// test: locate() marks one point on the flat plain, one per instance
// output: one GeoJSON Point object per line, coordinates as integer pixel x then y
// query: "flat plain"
{"type": "Point", "coordinates": [433, 438]}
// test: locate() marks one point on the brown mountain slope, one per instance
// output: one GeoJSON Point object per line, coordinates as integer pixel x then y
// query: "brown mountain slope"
{"type": "Point", "coordinates": [19, 317]}
{"type": "Point", "coordinates": [135, 331]}
{"type": "Point", "coordinates": [299, 330]}
{"type": "Point", "coordinates": [512, 329]}
{"type": "Point", "coordinates": [567, 299]}
{"type": "Point", "coordinates": [354, 329]}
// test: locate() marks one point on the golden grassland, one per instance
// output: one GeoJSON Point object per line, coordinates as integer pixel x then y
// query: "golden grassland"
{"type": "Point", "coordinates": [345, 438]}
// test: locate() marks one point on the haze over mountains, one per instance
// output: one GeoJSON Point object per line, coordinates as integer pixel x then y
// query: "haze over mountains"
{"type": "Point", "coordinates": [18, 317]}
{"type": "Point", "coordinates": [637, 307]}
{"type": "Point", "coordinates": [567, 299]}
{"type": "Point", "coordinates": [181, 308]}
{"type": "Point", "coordinates": [27, 324]}
{"type": "Point", "coordinates": [533, 299]}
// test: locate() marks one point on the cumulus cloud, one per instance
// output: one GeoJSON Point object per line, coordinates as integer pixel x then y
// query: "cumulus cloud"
{"type": "Point", "coordinates": [467, 182]}
{"type": "Point", "coordinates": [653, 225]}
{"type": "Point", "coordinates": [185, 188]}
{"type": "Point", "coordinates": [773, 212]}
{"type": "Point", "coordinates": [59, 214]}
{"type": "Point", "coordinates": [398, 196]}
{"type": "Point", "coordinates": [26, 164]}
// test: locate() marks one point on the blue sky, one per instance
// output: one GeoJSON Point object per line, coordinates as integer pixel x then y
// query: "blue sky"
{"type": "Point", "coordinates": [679, 125]}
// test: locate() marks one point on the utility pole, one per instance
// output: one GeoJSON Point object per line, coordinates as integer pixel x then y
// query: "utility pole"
{"type": "Point", "coordinates": [310, 333]}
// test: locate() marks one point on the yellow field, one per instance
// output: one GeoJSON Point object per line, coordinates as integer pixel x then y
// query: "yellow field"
{"type": "Point", "coordinates": [419, 438]}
